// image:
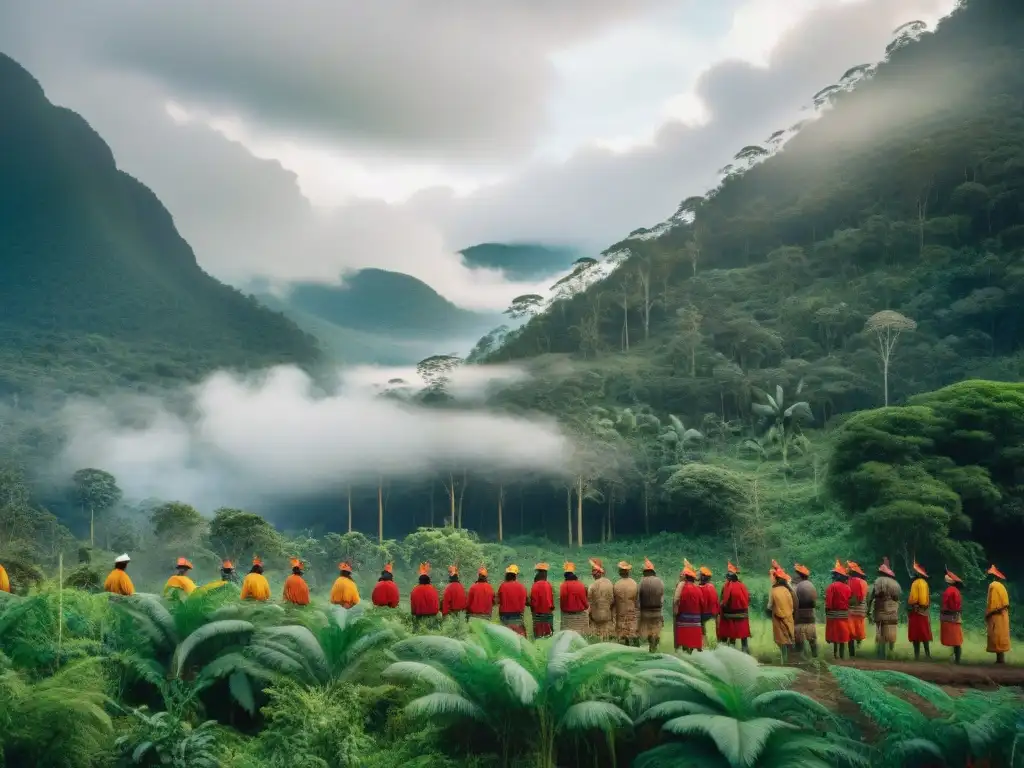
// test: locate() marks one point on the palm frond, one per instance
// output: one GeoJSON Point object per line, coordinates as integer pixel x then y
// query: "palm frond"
{"type": "Point", "coordinates": [203, 634]}
{"type": "Point", "coordinates": [445, 705]}
{"type": "Point", "coordinates": [522, 684]}
{"type": "Point", "coordinates": [594, 715]}
{"type": "Point", "coordinates": [739, 741]}
{"type": "Point", "coordinates": [422, 672]}
{"type": "Point", "coordinates": [667, 710]}
{"type": "Point", "coordinates": [677, 755]}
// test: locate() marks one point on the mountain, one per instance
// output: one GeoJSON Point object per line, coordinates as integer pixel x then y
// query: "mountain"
{"type": "Point", "coordinates": [382, 317]}
{"type": "Point", "coordinates": [521, 261]}
{"type": "Point", "coordinates": [905, 194]}
{"type": "Point", "coordinates": [96, 285]}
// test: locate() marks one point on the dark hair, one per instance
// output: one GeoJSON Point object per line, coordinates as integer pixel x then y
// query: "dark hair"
{"type": "Point", "coordinates": [481, 578]}
{"type": "Point", "coordinates": [297, 571]}
{"type": "Point", "coordinates": [120, 566]}
{"type": "Point", "coordinates": [570, 576]}
{"type": "Point", "coordinates": [256, 569]}
{"type": "Point", "coordinates": [424, 579]}
{"type": "Point", "coordinates": [453, 578]}
{"type": "Point", "coordinates": [540, 576]}
{"type": "Point", "coordinates": [510, 577]}
{"type": "Point", "coordinates": [386, 576]}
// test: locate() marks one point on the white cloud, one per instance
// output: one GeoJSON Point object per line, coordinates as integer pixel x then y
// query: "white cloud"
{"type": "Point", "coordinates": [250, 442]}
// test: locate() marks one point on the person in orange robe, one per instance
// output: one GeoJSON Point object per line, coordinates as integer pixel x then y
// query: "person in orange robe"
{"type": "Point", "coordinates": [734, 623]}
{"type": "Point", "coordinates": [296, 590]}
{"type": "Point", "coordinates": [858, 606]}
{"type": "Point", "coordinates": [180, 579]}
{"type": "Point", "coordinates": [423, 599]}
{"type": "Point", "coordinates": [512, 601]}
{"type": "Point", "coordinates": [480, 601]}
{"type": "Point", "coordinates": [951, 631]}
{"type": "Point", "coordinates": [686, 609]}
{"type": "Point", "coordinates": [255, 585]}
{"type": "Point", "coordinates": [385, 591]}
{"type": "Point", "coordinates": [5, 581]}
{"type": "Point", "coordinates": [542, 602]}
{"type": "Point", "coordinates": [118, 582]}
{"type": "Point", "coordinates": [837, 612]}
{"type": "Point", "coordinates": [573, 602]}
{"type": "Point", "coordinates": [919, 623]}
{"type": "Point", "coordinates": [454, 599]}
{"type": "Point", "coordinates": [709, 608]}
{"type": "Point", "coordinates": [344, 591]}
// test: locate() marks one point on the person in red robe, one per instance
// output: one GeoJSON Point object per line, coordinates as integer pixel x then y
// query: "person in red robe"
{"type": "Point", "coordinates": [480, 602]}
{"type": "Point", "coordinates": [837, 612]}
{"type": "Point", "coordinates": [542, 602]}
{"type": "Point", "coordinates": [385, 591]}
{"type": "Point", "coordinates": [951, 631]}
{"type": "Point", "coordinates": [423, 599]}
{"type": "Point", "coordinates": [573, 602]}
{"type": "Point", "coordinates": [296, 590]}
{"type": "Point", "coordinates": [734, 621]}
{"type": "Point", "coordinates": [512, 601]}
{"type": "Point", "coordinates": [858, 606]}
{"type": "Point", "coordinates": [454, 599]}
{"type": "Point", "coordinates": [709, 607]}
{"type": "Point", "coordinates": [686, 609]}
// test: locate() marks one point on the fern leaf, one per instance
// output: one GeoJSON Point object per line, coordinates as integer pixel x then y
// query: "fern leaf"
{"type": "Point", "coordinates": [740, 741]}
{"type": "Point", "coordinates": [241, 691]}
{"type": "Point", "coordinates": [421, 672]}
{"type": "Point", "coordinates": [594, 715]}
{"type": "Point", "coordinates": [519, 680]}
{"type": "Point", "coordinates": [445, 705]}
{"type": "Point", "coordinates": [205, 633]}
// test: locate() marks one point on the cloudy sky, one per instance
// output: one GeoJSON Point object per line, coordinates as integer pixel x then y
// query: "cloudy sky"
{"type": "Point", "coordinates": [299, 140]}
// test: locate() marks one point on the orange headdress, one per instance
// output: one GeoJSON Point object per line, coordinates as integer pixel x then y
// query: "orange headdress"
{"type": "Point", "coordinates": [183, 563]}
{"type": "Point", "coordinates": [803, 570]}
{"type": "Point", "coordinates": [424, 569]}
{"type": "Point", "coordinates": [919, 570]}
{"type": "Point", "coordinates": [453, 570]}
{"type": "Point", "coordinates": [730, 568]}
{"type": "Point", "coordinates": [952, 578]}
{"type": "Point", "coordinates": [648, 565]}
{"type": "Point", "coordinates": [688, 570]}
{"type": "Point", "coordinates": [542, 567]}
{"type": "Point", "coordinates": [481, 571]}
{"type": "Point", "coordinates": [596, 565]}
{"type": "Point", "coordinates": [513, 569]}
{"type": "Point", "coordinates": [389, 568]}
{"type": "Point", "coordinates": [852, 566]}
{"type": "Point", "coordinates": [345, 567]}
{"type": "Point", "coordinates": [569, 567]}
{"type": "Point", "coordinates": [705, 571]}
{"type": "Point", "coordinates": [296, 563]}
{"type": "Point", "coordinates": [838, 568]}
{"type": "Point", "coordinates": [227, 565]}
{"type": "Point", "coordinates": [993, 571]}
{"type": "Point", "coordinates": [256, 560]}
{"type": "Point", "coordinates": [624, 566]}
{"type": "Point", "coordinates": [886, 569]}
{"type": "Point", "coordinates": [781, 574]}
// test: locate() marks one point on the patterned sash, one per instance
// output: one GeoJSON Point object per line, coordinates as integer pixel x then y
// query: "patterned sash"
{"type": "Point", "coordinates": [923, 610]}
{"type": "Point", "coordinates": [734, 615]}
{"type": "Point", "coordinates": [688, 620]}
{"type": "Point", "coordinates": [511, 618]}
{"type": "Point", "coordinates": [805, 616]}
{"type": "Point", "coordinates": [837, 614]}
{"type": "Point", "coordinates": [950, 617]}
{"type": "Point", "coordinates": [859, 609]}
{"type": "Point", "coordinates": [485, 616]}
{"type": "Point", "coordinates": [547, 618]}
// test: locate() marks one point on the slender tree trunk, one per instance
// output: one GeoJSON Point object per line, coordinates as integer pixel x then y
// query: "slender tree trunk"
{"type": "Point", "coordinates": [568, 511]}
{"type": "Point", "coordinates": [462, 495]}
{"type": "Point", "coordinates": [380, 509]}
{"type": "Point", "coordinates": [431, 503]}
{"type": "Point", "coordinates": [501, 494]}
{"type": "Point", "coordinates": [451, 500]}
{"type": "Point", "coordinates": [92, 527]}
{"type": "Point", "coordinates": [579, 512]}
{"type": "Point", "coordinates": [647, 512]}
{"type": "Point", "coordinates": [350, 508]}
{"type": "Point", "coordinates": [885, 378]}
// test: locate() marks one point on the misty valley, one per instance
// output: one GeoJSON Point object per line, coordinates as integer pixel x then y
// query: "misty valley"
{"type": "Point", "coordinates": [739, 489]}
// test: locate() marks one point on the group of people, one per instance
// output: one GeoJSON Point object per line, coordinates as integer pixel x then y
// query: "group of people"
{"type": "Point", "coordinates": [628, 611]}
{"type": "Point", "coordinates": [849, 600]}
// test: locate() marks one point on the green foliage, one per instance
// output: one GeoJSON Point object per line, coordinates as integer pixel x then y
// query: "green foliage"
{"type": "Point", "coordinates": [733, 713]}
{"type": "Point", "coordinates": [974, 725]}
{"type": "Point", "coordinates": [526, 695]}
{"type": "Point", "coordinates": [159, 739]}
{"type": "Point", "coordinates": [312, 727]}
{"type": "Point", "coordinates": [711, 497]}
{"type": "Point", "coordinates": [236, 534]}
{"type": "Point", "coordinates": [178, 525]}
{"type": "Point", "coordinates": [443, 546]}
{"type": "Point", "coordinates": [938, 473]}
{"type": "Point", "coordinates": [58, 721]}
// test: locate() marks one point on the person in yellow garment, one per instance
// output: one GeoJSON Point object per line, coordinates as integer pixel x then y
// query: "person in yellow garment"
{"type": "Point", "coordinates": [117, 582]}
{"type": "Point", "coordinates": [227, 576]}
{"type": "Point", "coordinates": [5, 581]}
{"type": "Point", "coordinates": [254, 585]}
{"type": "Point", "coordinates": [344, 592]}
{"type": "Point", "coordinates": [180, 579]}
{"type": "Point", "coordinates": [997, 616]}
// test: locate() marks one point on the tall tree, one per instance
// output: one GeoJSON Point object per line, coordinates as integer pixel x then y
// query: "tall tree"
{"type": "Point", "coordinates": [95, 491]}
{"type": "Point", "coordinates": [887, 326]}
{"type": "Point", "coordinates": [235, 534]}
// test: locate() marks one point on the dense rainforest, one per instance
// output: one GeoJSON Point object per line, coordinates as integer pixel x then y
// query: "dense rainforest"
{"type": "Point", "coordinates": [869, 254]}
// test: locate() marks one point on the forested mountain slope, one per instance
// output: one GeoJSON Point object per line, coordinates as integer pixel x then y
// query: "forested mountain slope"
{"type": "Point", "coordinates": [907, 194]}
{"type": "Point", "coordinates": [96, 285]}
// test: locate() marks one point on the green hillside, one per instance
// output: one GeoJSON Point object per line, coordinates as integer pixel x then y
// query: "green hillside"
{"type": "Point", "coordinates": [96, 285]}
{"type": "Point", "coordinates": [521, 261]}
{"type": "Point", "coordinates": [389, 303]}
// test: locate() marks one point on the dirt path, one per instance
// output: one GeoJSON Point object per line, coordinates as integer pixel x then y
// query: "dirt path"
{"type": "Point", "coordinates": [945, 674]}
